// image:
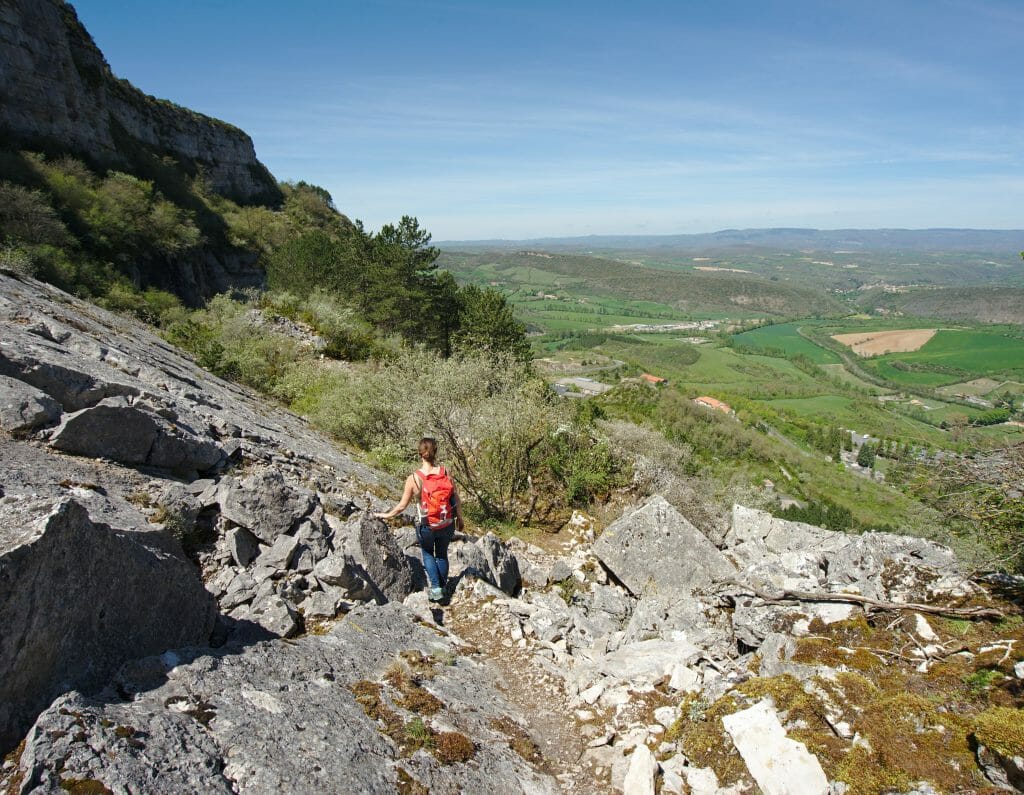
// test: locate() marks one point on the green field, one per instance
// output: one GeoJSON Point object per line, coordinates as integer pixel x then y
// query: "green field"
{"type": "Point", "coordinates": [785, 337]}
{"type": "Point", "coordinates": [981, 352]}
{"type": "Point", "coordinates": [953, 355]}
{"type": "Point", "coordinates": [835, 407]}
{"type": "Point", "coordinates": [883, 368]}
{"type": "Point", "coordinates": [682, 292]}
{"type": "Point", "coordinates": [839, 372]}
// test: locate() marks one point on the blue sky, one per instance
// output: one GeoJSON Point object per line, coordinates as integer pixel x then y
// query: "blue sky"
{"type": "Point", "coordinates": [529, 119]}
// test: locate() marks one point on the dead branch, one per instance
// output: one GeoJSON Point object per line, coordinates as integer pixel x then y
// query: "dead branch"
{"type": "Point", "coordinates": [787, 596]}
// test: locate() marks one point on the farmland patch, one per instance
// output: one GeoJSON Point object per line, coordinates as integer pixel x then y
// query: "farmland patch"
{"type": "Point", "coordinates": [873, 343]}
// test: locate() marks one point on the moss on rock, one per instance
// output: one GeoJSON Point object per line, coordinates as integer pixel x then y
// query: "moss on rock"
{"type": "Point", "coordinates": [1002, 730]}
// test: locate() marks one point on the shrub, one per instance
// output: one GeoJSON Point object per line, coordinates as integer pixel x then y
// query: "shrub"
{"type": "Point", "coordinates": [514, 448]}
{"type": "Point", "coordinates": [226, 340]}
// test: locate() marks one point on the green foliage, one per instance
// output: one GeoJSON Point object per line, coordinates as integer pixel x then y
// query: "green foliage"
{"type": "Point", "coordinates": [485, 322]}
{"type": "Point", "coordinates": [151, 305]}
{"type": "Point", "coordinates": [831, 440]}
{"type": "Point", "coordinates": [225, 339]}
{"type": "Point", "coordinates": [27, 217]}
{"type": "Point", "coordinates": [980, 497]}
{"type": "Point", "coordinates": [514, 448]}
{"type": "Point", "coordinates": [992, 417]}
{"type": "Point", "coordinates": [315, 261]}
{"type": "Point", "coordinates": [823, 513]}
{"type": "Point", "coordinates": [866, 455]}
{"type": "Point", "coordinates": [981, 680]}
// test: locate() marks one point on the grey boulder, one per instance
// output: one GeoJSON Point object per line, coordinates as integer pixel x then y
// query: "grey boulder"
{"type": "Point", "coordinates": [656, 549]}
{"type": "Point", "coordinates": [132, 435]}
{"type": "Point", "coordinates": [375, 557]}
{"type": "Point", "coordinates": [265, 504]}
{"type": "Point", "coordinates": [78, 598]}
{"type": "Point", "coordinates": [24, 408]}
{"type": "Point", "coordinates": [489, 559]}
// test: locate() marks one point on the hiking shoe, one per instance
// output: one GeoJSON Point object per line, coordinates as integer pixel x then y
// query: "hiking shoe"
{"type": "Point", "coordinates": [436, 594]}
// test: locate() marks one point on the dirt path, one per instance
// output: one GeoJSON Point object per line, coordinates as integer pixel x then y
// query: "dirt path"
{"type": "Point", "coordinates": [539, 694]}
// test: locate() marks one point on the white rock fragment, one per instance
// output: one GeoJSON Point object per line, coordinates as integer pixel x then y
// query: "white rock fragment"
{"type": "Point", "coordinates": [666, 716]}
{"type": "Point", "coordinates": [701, 780]}
{"type": "Point", "coordinates": [592, 693]}
{"type": "Point", "coordinates": [780, 766]}
{"type": "Point", "coordinates": [923, 629]}
{"type": "Point", "coordinates": [684, 679]}
{"type": "Point", "coordinates": [643, 768]}
{"type": "Point", "coordinates": [1018, 670]}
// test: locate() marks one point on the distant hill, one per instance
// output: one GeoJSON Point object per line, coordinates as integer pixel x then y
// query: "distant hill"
{"type": "Point", "coordinates": [985, 240]}
{"type": "Point", "coordinates": [984, 304]}
{"type": "Point", "coordinates": [688, 291]}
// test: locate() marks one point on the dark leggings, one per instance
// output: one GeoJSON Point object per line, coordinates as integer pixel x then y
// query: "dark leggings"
{"type": "Point", "coordinates": [434, 546]}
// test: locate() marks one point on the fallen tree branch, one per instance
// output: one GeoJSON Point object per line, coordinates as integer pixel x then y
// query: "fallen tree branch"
{"type": "Point", "coordinates": [787, 596]}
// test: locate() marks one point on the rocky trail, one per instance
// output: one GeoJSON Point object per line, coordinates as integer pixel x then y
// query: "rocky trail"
{"type": "Point", "coordinates": [195, 598]}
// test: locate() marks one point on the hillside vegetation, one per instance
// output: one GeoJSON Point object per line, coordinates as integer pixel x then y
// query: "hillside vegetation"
{"type": "Point", "coordinates": [971, 304]}
{"type": "Point", "coordinates": [692, 292]}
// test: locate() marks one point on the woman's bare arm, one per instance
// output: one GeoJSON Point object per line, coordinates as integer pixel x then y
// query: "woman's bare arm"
{"type": "Point", "coordinates": [410, 489]}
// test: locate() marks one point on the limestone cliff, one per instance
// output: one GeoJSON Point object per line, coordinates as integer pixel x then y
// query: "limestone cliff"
{"type": "Point", "coordinates": [57, 92]}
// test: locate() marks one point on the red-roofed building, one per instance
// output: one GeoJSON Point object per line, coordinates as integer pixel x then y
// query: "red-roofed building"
{"type": "Point", "coordinates": [714, 403]}
{"type": "Point", "coordinates": [654, 379]}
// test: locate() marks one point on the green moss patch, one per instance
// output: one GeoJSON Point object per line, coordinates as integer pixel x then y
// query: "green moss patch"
{"type": "Point", "coordinates": [1002, 730]}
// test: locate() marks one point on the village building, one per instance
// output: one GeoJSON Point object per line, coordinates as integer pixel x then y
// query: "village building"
{"type": "Point", "coordinates": [654, 379]}
{"type": "Point", "coordinates": [714, 403]}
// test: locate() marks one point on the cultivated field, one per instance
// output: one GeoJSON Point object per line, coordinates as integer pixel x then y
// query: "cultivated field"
{"type": "Point", "coordinates": [873, 343]}
{"type": "Point", "coordinates": [785, 337]}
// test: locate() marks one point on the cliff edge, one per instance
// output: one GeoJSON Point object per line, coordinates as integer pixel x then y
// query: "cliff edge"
{"type": "Point", "coordinates": [58, 93]}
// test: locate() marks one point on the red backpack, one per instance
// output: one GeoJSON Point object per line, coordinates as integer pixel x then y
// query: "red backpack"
{"type": "Point", "coordinates": [436, 508]}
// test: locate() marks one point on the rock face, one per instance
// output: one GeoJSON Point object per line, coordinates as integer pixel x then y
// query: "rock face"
{"type": "Point", "coordinates": [79, 598]}
{"type": "Point", "coordinates": [59, 89]}
{"type": "Point", "coordinates": [106, 580]}
{"type": "Point", "coordinates": [128, 434]}
{"type": "Point", "coordinates": [59, 95]}
{"type": "Point", "coordinates": [284, 718]}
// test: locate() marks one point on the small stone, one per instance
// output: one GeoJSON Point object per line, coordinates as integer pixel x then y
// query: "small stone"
{"type": "Point", "coordinates": [1018, 670]}
{"type": "Point", "coordinates": [279, 554]}
{"type": "Point", "coordinates": [275, 615]}
{"type": "Point", "coordinates": [701, 780]}
{"type": "Point", "coordinates": [604, 739]}
{"type": "Point", "coordinates": [774, 760]}
{"type": "Point", "coordinates": [243, 545]}
{"type": "Point", "coordinates": [592, 694]}
{"type": "Point", "coordinates": [666, 716]}
{"type": "Point", "coordinates": [672, 783]}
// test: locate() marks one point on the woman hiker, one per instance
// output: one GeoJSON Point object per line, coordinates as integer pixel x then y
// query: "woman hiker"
{"type": "Point", "coordinates": [438, 514]}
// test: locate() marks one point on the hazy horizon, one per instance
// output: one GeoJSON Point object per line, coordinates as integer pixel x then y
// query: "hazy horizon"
{"type": "Point", "coordinates": [528, 120]}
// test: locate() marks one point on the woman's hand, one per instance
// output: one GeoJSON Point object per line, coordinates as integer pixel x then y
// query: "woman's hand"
{"type": "Point", "coordinates": [383, 515]}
